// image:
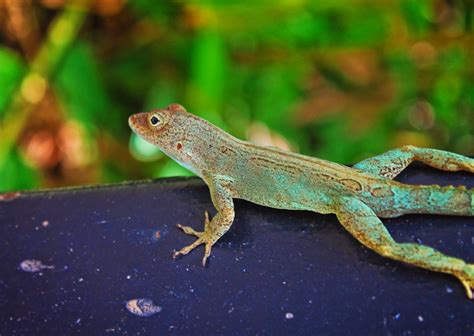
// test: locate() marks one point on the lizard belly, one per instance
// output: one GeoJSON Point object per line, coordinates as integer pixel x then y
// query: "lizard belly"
{"type": "Point", "coordinates": [284, 193]}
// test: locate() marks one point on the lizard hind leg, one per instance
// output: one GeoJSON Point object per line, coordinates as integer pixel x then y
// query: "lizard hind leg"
{"type": "Point", "coordinates": [391, 163]}
{"type": "Point", "coordinates": [365, 226]}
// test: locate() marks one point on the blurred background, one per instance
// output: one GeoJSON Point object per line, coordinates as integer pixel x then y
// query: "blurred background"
{"type": "Point", "coordinates": [341, 80]}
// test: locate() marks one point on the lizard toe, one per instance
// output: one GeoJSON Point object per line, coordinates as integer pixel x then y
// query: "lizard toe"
{"type": "Point", "coordinates": [185, 250]}
{"type": "Point", "coordinates": [189, 230]}
{"type": "Point", "coordinates": [207, 253]}
{"type": "Point", "coordinates": [469, 286]}
{"type": "Point", "coordinates": [206, 220]}
{"type": "Point", "coordinates": [467, 279]}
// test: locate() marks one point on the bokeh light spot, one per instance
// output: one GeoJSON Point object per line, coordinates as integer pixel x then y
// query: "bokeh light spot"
{"type": "Point", "coordinates": [143, 150]}
{"type": "Point", "coordinates": [33, 88]}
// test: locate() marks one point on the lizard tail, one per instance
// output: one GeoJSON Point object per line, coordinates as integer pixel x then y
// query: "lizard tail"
{"type": "Point", "coordinates": [434, 199]}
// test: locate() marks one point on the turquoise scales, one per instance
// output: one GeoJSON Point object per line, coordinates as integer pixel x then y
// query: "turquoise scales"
{"type": "Point", "coordinates": [268, 176]}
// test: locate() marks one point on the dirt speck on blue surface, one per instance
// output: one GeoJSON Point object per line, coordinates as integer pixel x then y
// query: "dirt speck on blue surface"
{"type": "Point", "coordinates": [142, 307]}
{"type": "Point", "coordinates": [157, 235]}
{"type": "Point", "coordinates": [33, 265]}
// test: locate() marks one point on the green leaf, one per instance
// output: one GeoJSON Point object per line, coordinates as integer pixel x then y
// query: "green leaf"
{"type": "Point", "coordinates": [111, 173]}
{"type": "Point", "coordinates": [159, 11]}
{"type": "Point", "coordinates": [11, 72]}
{"type": "Point", "coordinates": [209, 61]}
{"type": "Point", "coordinates": [365, 27]}
{"type": "Point", "coordinates": [274, 92]}
{"type": "Point", "coordinates": [15, 174]}
{"type": "Point", "coordinates": [82, 91]}
{"type": "Point", "coordinates": [418, 14]}
{"type": "Point", "coordinates": [161, 94]}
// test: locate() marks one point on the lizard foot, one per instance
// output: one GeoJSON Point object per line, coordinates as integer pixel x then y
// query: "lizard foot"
{"type": "Point", "coordinates": [467, 279]}
{"type": "Point", "coordinates": [202, 238]}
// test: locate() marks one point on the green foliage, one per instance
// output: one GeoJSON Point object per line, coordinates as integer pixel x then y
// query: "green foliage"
{"type": "Point", "coordinates": [11, 71]}
{"type": "Point", "coordinates": [16, 174]}
{"type": "Point", "coordinates": [208, 65]}
{"type": "Point", "coordinates": [417, 14]}
{"type": "Point", "coordinates": [338, 79]}
{"type": "Point", "coordinates": [81, 89]}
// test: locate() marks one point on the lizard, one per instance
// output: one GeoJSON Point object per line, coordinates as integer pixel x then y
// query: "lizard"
{"type": "Point", "coordinates": [359, 195]}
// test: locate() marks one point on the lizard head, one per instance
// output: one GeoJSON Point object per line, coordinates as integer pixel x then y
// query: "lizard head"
{"type": "Point", "coordinates": [153, 126]}
{"type": "Point", "coordinates": [169, 129]}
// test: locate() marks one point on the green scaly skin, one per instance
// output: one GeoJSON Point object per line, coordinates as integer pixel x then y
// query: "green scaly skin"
{"type": "Point", "coordinates": [271, 177]}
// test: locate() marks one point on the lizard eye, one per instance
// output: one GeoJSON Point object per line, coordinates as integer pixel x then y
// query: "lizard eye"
{"type": "Point", "coordinates": [155, 120]}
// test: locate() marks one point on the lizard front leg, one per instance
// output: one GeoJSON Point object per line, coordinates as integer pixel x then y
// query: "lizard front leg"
{"type": "Point", "coordinates": [391, 163]}
{"type": "Point", "coordinates": [221, 196]}
{"type": "Point", "coordinates": [365, 226]}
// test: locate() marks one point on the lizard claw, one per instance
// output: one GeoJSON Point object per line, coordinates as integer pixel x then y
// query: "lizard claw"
{"type": "Point", "coordinates": [207, 253]}
{"type": "Point", "coordinates": [467, 279]}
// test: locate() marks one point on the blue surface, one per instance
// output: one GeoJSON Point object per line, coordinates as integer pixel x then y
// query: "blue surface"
{"type": "Point", "coordinates": [275, 272]}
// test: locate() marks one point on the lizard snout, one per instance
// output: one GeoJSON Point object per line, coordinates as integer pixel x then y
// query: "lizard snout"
{"type": "Point", "coordinates": [137, 122]}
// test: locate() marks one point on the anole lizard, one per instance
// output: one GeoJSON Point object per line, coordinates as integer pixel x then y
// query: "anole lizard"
{"type": "Point", "coordinates": [271, 177]}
